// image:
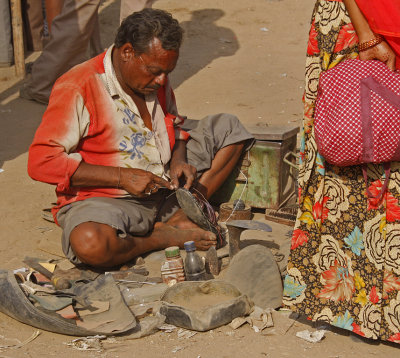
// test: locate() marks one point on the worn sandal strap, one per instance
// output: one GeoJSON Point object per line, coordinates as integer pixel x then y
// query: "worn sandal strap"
{"type": "Point", "coordinates": [200, 211]}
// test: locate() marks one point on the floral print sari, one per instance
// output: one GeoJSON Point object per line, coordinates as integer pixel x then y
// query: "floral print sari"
{"type": "Point", "coordinates": [344, 265]}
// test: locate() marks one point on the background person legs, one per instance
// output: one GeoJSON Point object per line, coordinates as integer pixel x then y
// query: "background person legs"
{"type": "Point", "coordinates": [71, 33]}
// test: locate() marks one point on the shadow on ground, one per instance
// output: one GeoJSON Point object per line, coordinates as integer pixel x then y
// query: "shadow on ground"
{"type": "Point", "coordinates": [18, 122]}
{"type": "Point", "coordinates": [204, 42]}
{"type": "Point", "coordinates": [19, 118]}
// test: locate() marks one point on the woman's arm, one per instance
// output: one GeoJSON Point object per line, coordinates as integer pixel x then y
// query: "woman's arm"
{"type": "Point", "coordinates": [382, 51]}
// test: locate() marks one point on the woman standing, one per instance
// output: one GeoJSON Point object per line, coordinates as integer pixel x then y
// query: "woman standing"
{"type": "Point", "coordinates": [344, 266]}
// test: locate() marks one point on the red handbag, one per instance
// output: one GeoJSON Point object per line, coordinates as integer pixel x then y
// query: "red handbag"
{"type": "Point", "coordinates": [357, 115]}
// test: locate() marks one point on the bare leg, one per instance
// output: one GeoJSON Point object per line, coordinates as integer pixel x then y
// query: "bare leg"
{"type": "Point", "coordinates": [98, 244]}
{"type": "Point", "coordinates": [221, 166]}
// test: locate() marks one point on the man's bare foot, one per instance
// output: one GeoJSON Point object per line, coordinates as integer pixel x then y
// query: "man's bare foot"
{"type": "Point", "coordinates": [174, 236]}
{"type": "Point", "coordinates": [181, 221]}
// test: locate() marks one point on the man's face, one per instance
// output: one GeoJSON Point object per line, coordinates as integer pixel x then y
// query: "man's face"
{"type": "Point", "coordinates": [147, 72]}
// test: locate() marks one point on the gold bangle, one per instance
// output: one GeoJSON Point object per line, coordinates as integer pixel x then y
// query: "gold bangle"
{"type": "Point", "coordinates": [371, 43]}
{"type": "Point", "coordinates": [119, 177]}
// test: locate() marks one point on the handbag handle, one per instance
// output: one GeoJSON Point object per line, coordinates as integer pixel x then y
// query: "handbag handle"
{"type": "Point", "coordinates": [367, 86]}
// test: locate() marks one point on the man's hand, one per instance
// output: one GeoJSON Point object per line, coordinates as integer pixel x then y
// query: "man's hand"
{"type": "Point", "coordinates": [137, 182]}
{"type": "Point", "coordinates": [382, 52]}
{"type": "Point", "coordinates": [140, 182]}
{"type": "Point", "coordinates": [180, 167]}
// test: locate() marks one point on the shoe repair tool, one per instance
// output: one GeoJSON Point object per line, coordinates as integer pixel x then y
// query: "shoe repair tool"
{"type": "Point", "coordinates": [142, 282]}
{"type": "Point", "coordinates": [59, 283]}
{"type": "Point", "coordinates": [212, 261]}
{"type": "Point", "coordinates": [200, 211]}
{"type": "Point", "coordinates": [61, 279]}
{"type": "Point", "coordinates": [235, 228]}
{"type": "Point", "coordinates": [131, 273]}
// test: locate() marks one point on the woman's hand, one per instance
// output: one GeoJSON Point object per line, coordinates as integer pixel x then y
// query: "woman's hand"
{"type": "Point", "coordinates": [382, 52]}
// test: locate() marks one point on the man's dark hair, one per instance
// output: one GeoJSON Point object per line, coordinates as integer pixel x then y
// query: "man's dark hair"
{"type": "Point", "coordinates": [141, 27]}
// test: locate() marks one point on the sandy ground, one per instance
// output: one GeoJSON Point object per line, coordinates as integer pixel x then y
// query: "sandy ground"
{"type": "Point", "coordinates": [246, 58]}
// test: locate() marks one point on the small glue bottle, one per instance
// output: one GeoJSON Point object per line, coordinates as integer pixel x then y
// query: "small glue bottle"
{"type": "Point", "coordinates": [172, 268]}
{"type": "Point", "coordinates": [194, 265]}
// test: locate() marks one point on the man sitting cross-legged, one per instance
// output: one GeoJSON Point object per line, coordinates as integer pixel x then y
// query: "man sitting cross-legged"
{"type": "Point", "coordinates": [111, 141]}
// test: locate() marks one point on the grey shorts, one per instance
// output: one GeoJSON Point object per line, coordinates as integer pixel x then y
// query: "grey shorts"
{"type": "Point", "coordinates": [136, 216]}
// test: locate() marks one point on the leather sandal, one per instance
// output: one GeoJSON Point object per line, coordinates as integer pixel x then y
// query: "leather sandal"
{"type": "Point", "coordinates": [200, 211]}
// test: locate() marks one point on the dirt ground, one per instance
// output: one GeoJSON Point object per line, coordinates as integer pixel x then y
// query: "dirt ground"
{"type": "Point", "coordinates": [245, 58]}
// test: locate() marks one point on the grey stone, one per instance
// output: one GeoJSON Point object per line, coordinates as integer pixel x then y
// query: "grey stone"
{"type": "Point", "coordinates": [255, 273]}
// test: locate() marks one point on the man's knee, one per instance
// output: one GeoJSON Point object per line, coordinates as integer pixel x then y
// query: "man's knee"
{"type": "Point", "coordinates": [226, 121]}
{"type": "Point", "coordinates": [90, 242]}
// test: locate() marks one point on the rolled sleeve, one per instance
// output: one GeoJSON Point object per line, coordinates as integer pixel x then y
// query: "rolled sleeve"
{"type": "Point", "coordinates": [180, 134]}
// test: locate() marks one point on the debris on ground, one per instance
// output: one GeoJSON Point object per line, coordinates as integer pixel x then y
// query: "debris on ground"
{"type": "Point", "coordinates": [238, 322]}
{"type": "Point", "coordinates": [90, 343]}
{"type": "Point", "coordinates": [89, 300]}
{"type": "Point", "coordinates": [185, 333]}
{"type": "Point", "coordinates": [177, 349]}
{"type": "Point", "coordinates": [19, 344]}
{"type": "Point", "coordinates": [312, 337]}
{"type": "Point", "coordinates": [167, 328]}
{"type": "Point", "coordinates": [259, 319]}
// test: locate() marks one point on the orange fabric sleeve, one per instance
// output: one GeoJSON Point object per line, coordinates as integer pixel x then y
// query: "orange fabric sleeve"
{"type": "Point", "coordinates": [383, 16]}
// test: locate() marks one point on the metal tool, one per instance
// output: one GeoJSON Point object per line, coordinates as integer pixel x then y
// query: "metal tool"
{"type": "Point", "coordinates": [236, 227]}
{"type": "Point", "coordinates": [132, 281]}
